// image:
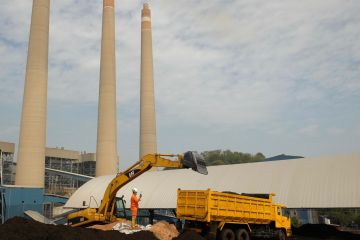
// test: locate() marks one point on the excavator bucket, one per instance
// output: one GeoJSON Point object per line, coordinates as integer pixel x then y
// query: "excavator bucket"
{"type": "Point", "coordinates": [195, 161]}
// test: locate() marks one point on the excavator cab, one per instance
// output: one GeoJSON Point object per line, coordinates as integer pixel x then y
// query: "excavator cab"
{"type": "Point", "coordinates": [120, 207]}
{"type": "Point", "coordinates": [195, 161]}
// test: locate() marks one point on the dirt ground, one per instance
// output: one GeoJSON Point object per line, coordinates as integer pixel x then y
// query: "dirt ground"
{"type": "Point", "coordinates": [319, 238]}
{"type": "Point", "coordinates": [189, 235]}
{"type": "Point", "coordinates": [322, 231]}
{"type": "Point", "coordinates": [24, 229]}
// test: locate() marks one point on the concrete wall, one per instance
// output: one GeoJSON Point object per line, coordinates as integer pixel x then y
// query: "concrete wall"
{"type": "Point", "coordinates": [7, 147]}
{"type": "Point", "coordinates": [88, 157]}
{"type": "Point", "coordinates": [62, 153]}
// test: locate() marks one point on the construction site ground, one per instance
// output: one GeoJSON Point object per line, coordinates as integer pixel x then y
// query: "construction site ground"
{"type": "Point", "coordinates": [23, 229]}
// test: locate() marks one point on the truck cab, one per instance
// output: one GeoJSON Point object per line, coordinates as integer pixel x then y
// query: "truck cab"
{"type": "Point", "coordinates": [282, 220]}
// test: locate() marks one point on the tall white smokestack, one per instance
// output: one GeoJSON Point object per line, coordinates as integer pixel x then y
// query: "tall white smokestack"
{"type": "Point", "coordinates": [106, 149]}
{"type": "Point", "coordinates": [30, 169]}
{"type": "Point", "coordinates": [147, 98]}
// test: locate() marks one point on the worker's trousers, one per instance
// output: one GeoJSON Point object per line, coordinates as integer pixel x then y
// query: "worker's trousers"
{"type": "Point", "coordinates": [133, 217]}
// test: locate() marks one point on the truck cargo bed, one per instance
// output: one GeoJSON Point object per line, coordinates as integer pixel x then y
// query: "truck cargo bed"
{"type": "Point", "coordinates": [207, 205]}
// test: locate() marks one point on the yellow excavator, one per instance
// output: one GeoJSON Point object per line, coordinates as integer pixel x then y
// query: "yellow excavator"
{"type": "Point", "coordinates": [110, 204]}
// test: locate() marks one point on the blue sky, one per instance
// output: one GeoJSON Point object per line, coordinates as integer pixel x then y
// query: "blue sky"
{"type": "Point", "coordinates": [247, 75]}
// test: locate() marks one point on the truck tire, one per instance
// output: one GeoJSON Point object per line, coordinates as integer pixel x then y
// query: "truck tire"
{"type": "Point", "coordinates": [227, 234]}
{"type": "Point", "coordinates": [282, 235]}
{"type": "Point", "coordinates": [242, 234]}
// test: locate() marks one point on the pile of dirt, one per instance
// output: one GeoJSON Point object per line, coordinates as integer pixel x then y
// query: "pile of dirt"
{"type": "Point", "coordinates": [23, 229]}
{"type": "Point", "coordinates": [164, 231]}
{"type": "Point", "coordinates": [189, 235]}
{"type": "Point", "coordinates": [323, 231]}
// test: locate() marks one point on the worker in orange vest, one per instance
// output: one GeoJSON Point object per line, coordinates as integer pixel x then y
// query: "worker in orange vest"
{"type": "Point", "coordinates": [134, 206]}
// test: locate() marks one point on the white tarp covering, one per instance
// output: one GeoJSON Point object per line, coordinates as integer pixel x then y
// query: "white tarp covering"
{"type": "Point", "coordinates": [126, 228]}
{"type": "Point", "coordinates": [321, 182]}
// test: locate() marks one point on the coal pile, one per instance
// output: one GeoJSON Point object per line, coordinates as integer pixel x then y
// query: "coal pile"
{"type": "Point", "coordinates": [323, 231]}
{"type": "Point", "coordinates": [189, 235]}
{"type": "Point", "coordinates": [23, 229]}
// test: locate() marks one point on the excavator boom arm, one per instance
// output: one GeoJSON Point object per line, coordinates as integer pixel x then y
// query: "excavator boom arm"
{"type": "Point", "coordinates": [145, 164]}
{"type": "Point", "coordinates": [105, 212]}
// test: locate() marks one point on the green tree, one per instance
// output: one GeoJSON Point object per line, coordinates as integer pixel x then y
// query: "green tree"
{"type": "Point", "coordinates": [342, 216]}
{"type": "Point", "coordinates": [295, 222]}
{"type": "Point", "coordinates": [220, 157]}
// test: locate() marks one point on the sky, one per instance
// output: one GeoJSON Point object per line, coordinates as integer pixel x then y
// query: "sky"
{"type": "Point", "coordinates": [246, 75]}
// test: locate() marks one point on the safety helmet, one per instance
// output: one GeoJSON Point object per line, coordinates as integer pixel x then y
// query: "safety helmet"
{"type": "Point", "coordinates": [135, 190]}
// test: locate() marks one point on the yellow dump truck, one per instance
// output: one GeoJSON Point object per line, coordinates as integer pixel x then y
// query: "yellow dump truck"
{"type": "Point", "coordinates": [232, 216]}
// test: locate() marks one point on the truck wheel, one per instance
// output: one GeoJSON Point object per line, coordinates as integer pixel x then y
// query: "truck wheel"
{"type": "Point", "coordinates": [227, 234]}
{"type": "Point", "coordinates": [282, 235]}
{"type": "Point", "coordinates": [242, 234]}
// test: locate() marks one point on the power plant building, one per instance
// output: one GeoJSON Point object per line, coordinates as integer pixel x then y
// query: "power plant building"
{"type": "Point", "coordinates": [63, 182]}
{"type": "Point", "coordinates": [65, 170]}
{"type": "Point", "coordinates": [7, 168]}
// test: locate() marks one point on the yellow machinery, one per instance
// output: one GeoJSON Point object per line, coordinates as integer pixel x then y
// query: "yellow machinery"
{"type": "Point", "coordinates": [109, 206]}
{"type": "Point", "coordinates": [230, 216]}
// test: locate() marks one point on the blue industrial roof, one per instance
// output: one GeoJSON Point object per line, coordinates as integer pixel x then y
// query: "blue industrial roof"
{"type": "Point", "coordinates": [282, 157]}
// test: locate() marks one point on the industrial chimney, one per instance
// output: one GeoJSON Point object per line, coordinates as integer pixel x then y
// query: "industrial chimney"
{"type": "Point", "coordinates": [30, 169]}
{"type": "Point", "coordinates": [106, 149]}
{"type": "Point", "coordinates": [147, 99]}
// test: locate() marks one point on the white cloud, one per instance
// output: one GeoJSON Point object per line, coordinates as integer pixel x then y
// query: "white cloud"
{"type": "Point", "coordinates": [310, 130]}
{"type": "Point", "coordinates": [217, 64]}
{"type": "Point", "coordinates": [336, 131]}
